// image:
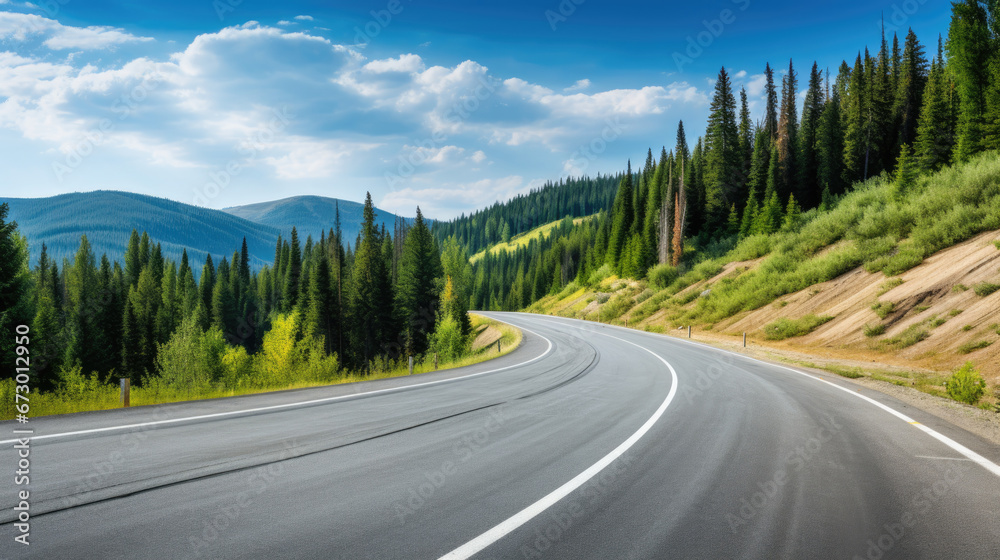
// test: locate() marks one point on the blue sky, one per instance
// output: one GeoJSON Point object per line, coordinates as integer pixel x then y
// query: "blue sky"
{"type": "Point", "coordinates": [449, 105]}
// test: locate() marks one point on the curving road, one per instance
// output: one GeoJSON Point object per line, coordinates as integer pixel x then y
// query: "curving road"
{"type": "Point", "coordinates": [587, 442]}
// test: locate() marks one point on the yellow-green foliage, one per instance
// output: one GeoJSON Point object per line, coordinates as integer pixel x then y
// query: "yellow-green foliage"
{"type": "Point", "coordinates": [966, 385]}
{"type": "Point", "coordinates": [787, 328]}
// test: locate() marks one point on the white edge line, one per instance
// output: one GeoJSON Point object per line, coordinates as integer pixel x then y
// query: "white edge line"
{"type": "Point", "coordinates": [520, 518]}
{"type": "Point", "coordinates": [289, 405]}
{"type": "Point", "coordinates": [970, 454]}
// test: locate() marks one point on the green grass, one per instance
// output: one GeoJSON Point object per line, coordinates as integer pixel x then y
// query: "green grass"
{"type": "Point", "coordinates": [787, 328]}
{"type": "Point", "coordinates": [959, 288]}
{"type": "Point", "coordinates": [967, 328]}
{"type": "Point", "coordinates": [89, 394]}
{"type": "Point", "coordinates": [936, 321]}
{"type": "Point", "coordinates": [868, 227]}
{"type": "Point", "coordinates": [969, 347]}
{"type": "Point", "coordinates": [523, 239]}
{"type": "Point", "coordinates": [984, 289]}
{"type": "Point", "coordinates": [997, 244]}
{"type": "Point", "coordinates": [873, 330]}
{"type": "Point", "coordinates": [921, 308]}
{"type": "Point", "coordinates": [910, 336]}
{"type": "Point", "coordinates": [955, 312]}
{"type": "Point", "coordinates": [883, 308]}
{"type": "Point", "coordinates": [888, 285]}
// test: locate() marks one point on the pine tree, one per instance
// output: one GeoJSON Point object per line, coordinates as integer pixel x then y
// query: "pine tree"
{"type": "Point", "coordinates": [722, 153]}
{"type": "Point", "coordinates": [322, 316]}
{"type": "Point", "coordinates": [621, 215]}
{"type": "Point", "coordinates": [970, 55]}
{"type": "Point", "coordinates": [812, 110]}
{"type": "Point", "coordinates": [771, 109]}
{"type": "Point", "coordinates": [830, 147]}
{"type": "Point", "coordinates": [787, 141]}
{"type": "Point", "coordinates": [133, 262]}
{"type": "Point", "coordinates": [15, 280]}
{"type": "Point", "coordinates": [856, 121]}
{"type": "Point", "coordinates": [749, 214]}
{"type": "Point", "coordinates": [912, 82]}
{"type": "Point", "coordinates": [83, 343]}
{"type": "Point", "coordinates": [371, 295]}
{"type": "Point", "coordinates": [416, 294]}
{"type": "Point", "coordinates": [290, 295]}
{"type": "Point", "coordinates": [792, 215]}
{"type": "Point", "coordinates": [936, 127]}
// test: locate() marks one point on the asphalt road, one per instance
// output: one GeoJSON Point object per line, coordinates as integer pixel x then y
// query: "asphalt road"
{"type": "Point", "coordinates": [587, 442]}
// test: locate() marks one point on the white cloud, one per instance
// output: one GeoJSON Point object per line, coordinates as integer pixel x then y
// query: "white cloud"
{"type": "Point", "coordinates": [57, 36]}
{"type": "Point", "coordinates": [454, 198]}
{"type": "Point", "coordinates": [755, 87]}
{"type": "Point", "coordinates": [579, 85]}
{"type": "Point", "coordinates": [479, 156]}
{"type": "Point", "coordinates": [740, 75]}
{"type": "Point", "coordinates": [304, 18]}
{"type": "Point", "coordinates": [286, 22]}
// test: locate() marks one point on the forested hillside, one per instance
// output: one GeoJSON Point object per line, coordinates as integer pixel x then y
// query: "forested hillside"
{"type": "Point", "coordinates": [312, 215]}
{"type": "Point", "coordinates": [896, 113]}
{"type": "Point", "coordinates": [108, 218]}
{"type": "Point", "coordinates": [320, 309]}
{"type": "Point", "coordinates": [502, 221]}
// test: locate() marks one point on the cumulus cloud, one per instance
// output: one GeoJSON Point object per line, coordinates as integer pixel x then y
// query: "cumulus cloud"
{"type": "Point", "coordinates": [294, 106]}
{"type": "Point", "coordinates": [57, 36]}
{"type": "Point", "coordinates": [304, 18]}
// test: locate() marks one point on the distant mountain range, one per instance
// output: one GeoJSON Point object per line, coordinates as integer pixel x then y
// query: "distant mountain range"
{"type": "Point", "coordinates": [108, 217]}
{"type": "Point", "coordinates": [312, 215]}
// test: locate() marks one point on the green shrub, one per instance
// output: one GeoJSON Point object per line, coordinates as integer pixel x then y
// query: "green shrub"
{"type": "Point", "coordinates": [644, 295]}
{"type": "Point", "coordinates": [969, 347]}
{"type": "Point", "coordinates": [959, 288]}
{"type": "Point", "coordinates": [873, 330]}
{"type": "Point", "coordinates": [912, 335]}
{"type": "Point", "coordinates": [661, 276]}
{"type": "Point", "coordinates": [984, 289]}
{"type": "Point", "coordinates": [448, 341]}
{"type": "Point", "coordinates": [603, 297]}
{"type": "Point", "coordinates": [955, 312]}
{"type": "Point", "coordinates": [966, 385]}
{"type": "Point", "coordinates": [996, 244]}
{"type": "Point", "coordinates": [936, 321]}
{"type": "Point", "coordinates": [967, 328]}
{"type": "Point", "coordinates": [599, 275]}
{"type": "Point", "coordinates": [883, 308]}
{"type": "Point", "coordinates": [787, 328]}
{"type": "Point", "coordinates": [888, 285]}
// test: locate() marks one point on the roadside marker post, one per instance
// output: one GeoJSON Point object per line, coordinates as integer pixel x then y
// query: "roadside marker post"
{"type": "Point", "coordinates": [125, 390]}
{"type": "Point", "coordinates": [689, 331]}
{"type": "Point", "coordinates": [744, 340]}
{"type": "Point", "coordinates": [411, 365]}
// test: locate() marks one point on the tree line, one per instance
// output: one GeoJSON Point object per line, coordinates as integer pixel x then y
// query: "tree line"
{"type": "Point", "coordinates": [383, 300]}
{"type": "Point", "coordinates": [896, 111]}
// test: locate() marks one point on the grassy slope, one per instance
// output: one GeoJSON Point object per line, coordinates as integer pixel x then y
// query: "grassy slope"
{"type": "Point", "coordinates": [836, 264]}
{"type": "Point", "coordinates": [523, 239]}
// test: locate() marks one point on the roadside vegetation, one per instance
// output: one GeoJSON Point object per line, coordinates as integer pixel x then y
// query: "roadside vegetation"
{"type": "Point", "coordinates": [195, 370]}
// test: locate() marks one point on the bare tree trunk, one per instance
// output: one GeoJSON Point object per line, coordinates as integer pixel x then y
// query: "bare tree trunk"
{"type": "Point", "coordinates": [666, 220]}
{"type": "Point", "coordinates": [680, 216]}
